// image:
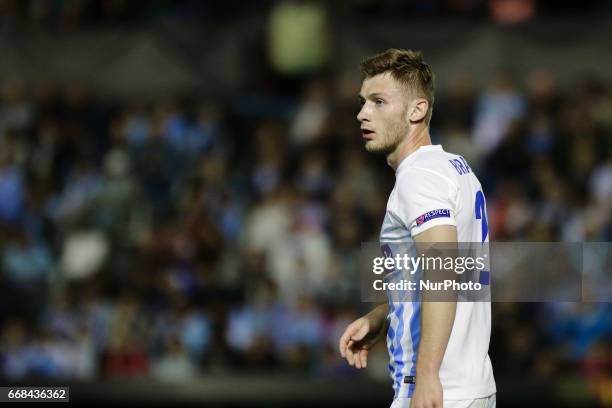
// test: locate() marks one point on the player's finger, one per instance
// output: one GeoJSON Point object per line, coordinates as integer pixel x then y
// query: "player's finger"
{"type": "Point", "coordinates": [356, 355]}
{"type": "Point", "coordinates": [363, 357]}
{"type": "Point", "coordinates": [349, 357]}
{"type": "Point", "coordinates": [357, 359]}
{"type": "Point", "coordinates": [349, 354]}
{"type": "Point", "coordinates": [344, 340]}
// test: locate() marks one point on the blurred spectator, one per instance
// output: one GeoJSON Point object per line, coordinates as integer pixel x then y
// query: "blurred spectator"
{"type": "Point", "coordinates": [498, 106]}
{"type": "Point", "coordinates": [17, 111]}
{"type": "Point", "coordinates": [312, 114]}
{"type": "Point", "coordinates": [174, 363]}
{"type": "Point", "coordinates": [11, 187]}
{"type": "Point", "coordinates": [27, 263]}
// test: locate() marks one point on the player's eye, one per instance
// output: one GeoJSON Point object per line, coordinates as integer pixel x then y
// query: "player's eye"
{"type": "Point", "coordinates": [379, 102]}
{"type": "Point", "coordinates": [361, 101]}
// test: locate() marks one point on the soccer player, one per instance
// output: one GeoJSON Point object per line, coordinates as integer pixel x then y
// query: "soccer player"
{"type": "Point", "coordinates": [438, 350]}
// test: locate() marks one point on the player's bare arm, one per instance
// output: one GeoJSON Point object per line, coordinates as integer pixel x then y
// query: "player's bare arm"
{"type": "Point", "coordinates": [436, 325]}
{"type": "Point", "coordinates": [361, 335]}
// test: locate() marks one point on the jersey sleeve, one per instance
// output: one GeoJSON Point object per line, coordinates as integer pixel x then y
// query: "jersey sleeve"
{"type": "Point", "coordinates": [426, 199]}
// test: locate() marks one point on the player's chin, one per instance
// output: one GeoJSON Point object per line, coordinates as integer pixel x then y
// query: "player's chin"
{"type": "Point", "coordinates": [372, 146]}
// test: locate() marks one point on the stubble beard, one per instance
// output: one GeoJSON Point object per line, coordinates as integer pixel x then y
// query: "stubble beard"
{"type": "Point", "coordinates": [389, 140]}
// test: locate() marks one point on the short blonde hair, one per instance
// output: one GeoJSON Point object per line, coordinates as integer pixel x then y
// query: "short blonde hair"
{"type": "Point", "coordinates": [407, 67]}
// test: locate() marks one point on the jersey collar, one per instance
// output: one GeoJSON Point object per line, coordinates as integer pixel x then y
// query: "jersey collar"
{"type": "Point", "coordinates": [412, 156]}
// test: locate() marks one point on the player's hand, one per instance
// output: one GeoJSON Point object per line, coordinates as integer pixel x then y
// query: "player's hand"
{"type": "Point", "coordinates": [359, 337]}
{"type": "Point", "coordinates": [427, 392]}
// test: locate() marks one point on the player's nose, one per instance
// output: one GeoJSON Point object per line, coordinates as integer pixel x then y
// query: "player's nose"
{"type": "Point", "coordinates": [361, 116]}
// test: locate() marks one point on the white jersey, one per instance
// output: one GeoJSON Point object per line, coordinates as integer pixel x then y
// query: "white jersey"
{"type": "Point", "coordinates": [433, 187]}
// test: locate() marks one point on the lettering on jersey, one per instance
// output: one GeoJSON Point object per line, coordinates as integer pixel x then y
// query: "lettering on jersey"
{"type": "Point", "coordinates": [431, 215]}
{"type": "Point", "coordinates": [460, 165]}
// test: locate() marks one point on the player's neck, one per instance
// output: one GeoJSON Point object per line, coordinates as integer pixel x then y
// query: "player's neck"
{"type": "Point", "coordinates": [417, 138]}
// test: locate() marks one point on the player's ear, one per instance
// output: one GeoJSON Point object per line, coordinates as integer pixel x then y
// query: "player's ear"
{"type": "Point", "coordinates": [418, 109]}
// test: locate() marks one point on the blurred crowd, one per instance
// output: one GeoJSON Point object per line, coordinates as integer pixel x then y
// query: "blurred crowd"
{"type": "Point", "coordinates": [200, 234]}
{"type": "Point", "coordinates": [185, 236]}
